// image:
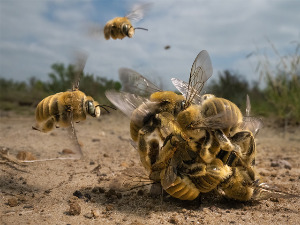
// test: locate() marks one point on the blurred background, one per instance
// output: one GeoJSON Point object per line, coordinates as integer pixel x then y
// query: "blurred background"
{"type": "Point", "coordinates": [254, 48]}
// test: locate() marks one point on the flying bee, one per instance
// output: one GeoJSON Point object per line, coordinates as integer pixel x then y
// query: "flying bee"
{"type": "Point", "coordinates": [142, 110]}
{"type": "Point", "coordinates": [64, 108]}
{"type": "Point", "coordinates": [120, 27]}
{"type": "Point", "coordinates": [61, 109]}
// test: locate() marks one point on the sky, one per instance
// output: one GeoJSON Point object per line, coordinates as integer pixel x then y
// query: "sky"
{"type": "Point", "coordinates": [35, 34]}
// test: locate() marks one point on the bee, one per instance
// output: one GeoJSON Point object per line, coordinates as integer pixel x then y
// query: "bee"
{"type": "Point", "coordinates": [142, 111]}
{"type": "Point", "coordinates": [64, 108]}
{"type": "Point", "coordinates": [61, 109]}
{"type": "Point", "coordinates": [121, 27]}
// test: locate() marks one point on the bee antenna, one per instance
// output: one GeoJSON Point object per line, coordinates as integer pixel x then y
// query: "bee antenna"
{"type": "Point", "coordinates": [141, 28]}
{"type": "Point", "coordinates": [103, 107]}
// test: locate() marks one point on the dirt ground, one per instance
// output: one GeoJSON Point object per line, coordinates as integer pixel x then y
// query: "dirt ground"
{"type": "Point", "coordinates": [100, 184]}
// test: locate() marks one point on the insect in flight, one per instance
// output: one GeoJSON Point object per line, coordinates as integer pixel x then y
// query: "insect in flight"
{"type": "Point", "coordinates": [64, 108]}
{"type": "Point", "coordinates": [121, 27]}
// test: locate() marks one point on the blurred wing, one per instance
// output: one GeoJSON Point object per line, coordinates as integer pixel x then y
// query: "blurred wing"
{"type": "Point", "coordinates": [127, 103]}
{"type": "Point", "coordinates": [264, 191]}
{"type": "Point", "coordinates": [248, 106]}
{"type": "Point", "coordinates": [135, 83]}
{"type": "Point", "coordinates": [80, 62]}
{"type": "Point", "coordinates": [169, 176]}
{"type": "Point", "coordinates": [138, 11]}
{"type": "Point", "coordinates": [201, 71]}
{"type": "Point", "coordinates": [74, 135]}
{"type": "Point", "coordinates": [252, 124]}
{"type": "Point", "coordinates": [94, 30]}
{"type": "Point", "coordinates": [183, 87]}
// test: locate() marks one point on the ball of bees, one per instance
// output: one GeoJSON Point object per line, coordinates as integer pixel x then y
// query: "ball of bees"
{"type": "Point", "coordinates": [121, 27]}
{"type": "Point", "coordinates": [191, 143]}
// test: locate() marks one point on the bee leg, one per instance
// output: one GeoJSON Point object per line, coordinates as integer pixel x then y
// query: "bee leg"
{"type": "Point", "coordinates": [153, 150]}
{"type": "Point", "coordinates": [48, 125]}
{"type": "Point", "coordinates": [245, 139]}
{"type": "Point", "coordinates": [165, 154]}
{"type": "Point", "coordinates": [239, 185]}
{"type": "Point", "coordinates": [225, 143]}
{"type": "Point", "coordinates": [205, 154]}
{"type": "Point", "coordinates": [143, 146]}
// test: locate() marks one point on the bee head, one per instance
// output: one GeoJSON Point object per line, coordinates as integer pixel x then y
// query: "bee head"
{"type": "Point", "coordinates": [169, 101]}
{"type": "Point", "coordinates": [188, 116]}
{"type": "Point", "coordinates": [92, 108]}
{"type": "Point", "coordinates": [127, 29]}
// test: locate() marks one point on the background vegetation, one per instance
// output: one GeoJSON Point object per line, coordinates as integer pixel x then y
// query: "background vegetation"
{"type": "Point", "coordinates": [278, 97]}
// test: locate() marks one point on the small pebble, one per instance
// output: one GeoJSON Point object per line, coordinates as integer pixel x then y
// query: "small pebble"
{"type": "Point", "coordinates": [96, 213]}
{"type": "Point", "coordinates": [173, 220]}
{"type": "Point", "coordinates": [75, 209]}
{"type": "Point", "coordinates": [109, 207]}
{"type": "Point", "coordinates": [88, 215]}
{"type": "Point", "coordinates": [78, 194]}
{"type": "Point", "coordinates": [67, 151]}
{"type": "Point", "coordinates": [274, 199]}
{"type": "Point", "coordinates": [95, 139]}
{"type": "Point", "coordinates": [12, 202]}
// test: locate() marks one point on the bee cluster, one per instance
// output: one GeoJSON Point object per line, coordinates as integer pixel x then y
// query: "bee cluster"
{"type": "Point", "coordinates": [190, 143]}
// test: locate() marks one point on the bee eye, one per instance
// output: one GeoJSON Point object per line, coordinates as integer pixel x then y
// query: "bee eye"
{"type": "Point", "coordinates": [125, 29]}
{"type": "Point", "coordinates": [90, 108]}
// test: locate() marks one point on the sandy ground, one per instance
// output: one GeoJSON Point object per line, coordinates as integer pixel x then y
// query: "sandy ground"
{"type": "Point", "coordinates": [41, 192]}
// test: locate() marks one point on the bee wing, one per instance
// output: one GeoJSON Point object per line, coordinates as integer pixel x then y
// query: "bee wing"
{"type": "Point", "coordinates": [128, 103]}
{"type": "Point", "coordinates": [80, 61]}
{"type": "Point", "coordinates": [74, 135]}
{"type": "Point", "coordinates": [251, 123]}
{"type": "Point", "coordinates": [201, 71]}
{"type": "Point", "coordinates": [264, 191]}
{"type": "Point", "coordinates": [135, 83]}
{"type": "Point", "coordinates": [130, 179]}
{"type": "Point", "coordinates": [183, 87]}
{"type": "Point", "coordinates": [248, 106]}
{"type": "Point", "coordinates": [138, 11]}
{"type": "Point", "coordinates": [169, 176]}
{"type": "Point", "coordinates": [124, 101]}
{"type": "Point", "coordinates": [94, 30]}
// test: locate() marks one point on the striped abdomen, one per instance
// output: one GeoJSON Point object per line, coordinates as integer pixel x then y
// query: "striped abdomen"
{"type": "Point", "coordinates": [221, 113]}
{"type": "Point", "coordinates": [183, 188]}
{"type": "Point", "coordinates": [60, 109]}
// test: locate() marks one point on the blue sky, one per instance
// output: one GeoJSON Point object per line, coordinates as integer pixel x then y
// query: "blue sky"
{"type": "Point", "coordinates": [35, 34]}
